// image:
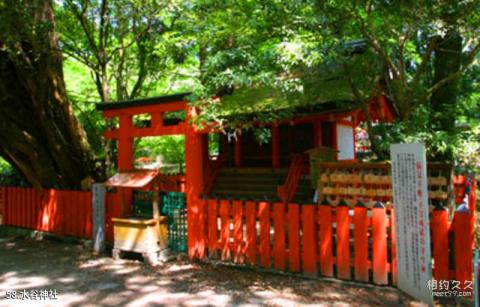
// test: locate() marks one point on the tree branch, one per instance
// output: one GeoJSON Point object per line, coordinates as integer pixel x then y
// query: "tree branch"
{"type": "Point", "coordinates": [80, 15]}
{"type": "Point", "coordinates": [423, 64]}
{"type": "Point", "coordinates": [470, 59]}
{"type": "Point", "coordinates": [373, 41]}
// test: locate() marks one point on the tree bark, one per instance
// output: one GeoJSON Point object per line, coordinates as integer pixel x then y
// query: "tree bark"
{"type": "Point", "coordinates": [447, 61]}
{"type": "Point", "coordinates": [39, 132]}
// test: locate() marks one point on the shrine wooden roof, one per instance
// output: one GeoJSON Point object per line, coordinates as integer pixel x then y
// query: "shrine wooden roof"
{"type": "Point", "coordinates": [104, 106]}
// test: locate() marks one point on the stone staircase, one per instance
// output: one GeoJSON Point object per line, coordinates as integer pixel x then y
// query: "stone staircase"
{"type": "Point", "coordinates": [256, 184]}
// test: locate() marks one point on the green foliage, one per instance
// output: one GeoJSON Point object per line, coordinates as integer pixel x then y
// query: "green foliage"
{"type": "Point", "coordinates": [170, 150]}
{"type": "Point", "coordinates": [463, 145]}
{"type": "Point", "coordinates": [9, 176]}
{"type": "Point", "coordinates": [83, 97]}
{"type": "Point", "coordinates": [267, 57]}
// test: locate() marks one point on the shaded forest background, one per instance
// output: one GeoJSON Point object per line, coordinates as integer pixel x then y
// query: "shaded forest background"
{"type": "Point", "coordinates": [58, 59]}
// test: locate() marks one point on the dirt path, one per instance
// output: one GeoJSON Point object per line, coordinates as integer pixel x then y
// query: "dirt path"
{"type": "Point", "coordinates": [81, 279]}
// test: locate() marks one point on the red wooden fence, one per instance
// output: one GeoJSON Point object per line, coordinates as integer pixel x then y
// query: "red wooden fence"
{"type": "Point", "coordinates": [342, 242]}
{"type": "Point", "coordinates": [64, 213]}
{"type": "Point", "coordinates": [353, 243]}
{"type": "Point", "coordinates": [336, 241]}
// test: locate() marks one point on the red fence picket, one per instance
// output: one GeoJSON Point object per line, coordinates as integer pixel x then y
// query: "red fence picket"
{"type": "Point", "coordinates": [212, 207]}
{"type": "Point", "coordinates": [2, 204]}
{"type": "Point", "coordinates": [251, 244]}
{"type": "Point", "coordinates": [309, 240]}
{"type": "Point", "coordinates": [343, 242]}
{"type": "Point", "coordinates": [237, 231]}
{"type": "Point", "coordinates": [360, 239]}
{"type": "Point", "coordinates": [225, 229]}
{"type": "Point", "coordinates": [439, 226]}
{"type": "Point", "coordinates": [65, 213]}
{"type": "Point", "coordinates": [294, 237]}
{"type": "Point", "coordinates": [279, 245]}
{"type": "Point", "coordinates": [61, 212]}
{"type": "Point", "coordinates": [379, 239]}
{"type": "Point", "coordinates": [463, 249]}
{"type": "Point", "coordinates": [393, 249]}
{"type": "Point", "coordinates": [326, 244]}
{"type": "Point", "coordinates": [264, 214]}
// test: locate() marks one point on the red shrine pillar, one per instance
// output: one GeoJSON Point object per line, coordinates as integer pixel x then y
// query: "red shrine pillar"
{"type": "Point", "coordinates": [275, 146]}
{"type": "Point", "coordinates": [125, 159]}
{"type": "Point", "coordinates": [194, 173]}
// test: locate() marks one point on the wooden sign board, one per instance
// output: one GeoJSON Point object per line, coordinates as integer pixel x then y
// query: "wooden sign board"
{"type": "Point", "coordinates": [410, 199]}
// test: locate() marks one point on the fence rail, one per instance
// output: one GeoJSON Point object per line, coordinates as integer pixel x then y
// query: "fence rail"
{"type": "Point", "coordinates": [61, 212]}
{"type": "Point", "coordinates": [343, 241]}
{"type": "Point", "coordinates": [352, 243]}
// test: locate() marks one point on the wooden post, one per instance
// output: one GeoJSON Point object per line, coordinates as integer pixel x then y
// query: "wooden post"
{"type": "Point", "coordinates": [440, 244]}
{"type": "Point", "coordinates": [212, 227]}
{"type": "Point", "coordinates": [463, 248]}
{"type": "Point", "coordinates": [98, 217]}
{"type": "Point", "coordinates": [326, 244]}
{"type": "Point", "coordinates": [360, 221]}
{"type": "Point", "coordinates": [293, 237]}
{"type": "Point", "coordinates": [225, 229]}
{"type": "Point", "coordinates": [251, 220]}
{"type": "Point", "coordinates": [196, 217]}
{"type": "Point", "coordinates": [343, 241]}
{"type": "Point", "coordinates": [279, 242]}
{"type": "Point", "coordinates": [275, 146]}
{"type": "Point", "coordinates": [156, 203]}
{"type": "Point", "coordinates": [379, 242]}
{"type": "Point", "coordinates": [237, 208]}
{"type": "Point", "coordinates": [309, 240]}
{"type": "Point", "coordinates": [264, 214]}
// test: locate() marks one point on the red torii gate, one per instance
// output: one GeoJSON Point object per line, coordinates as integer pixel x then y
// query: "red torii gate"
{"type": "Point", "coordinates": [196, 146]}
{"type": "Point", "coordinates": [196, 151]}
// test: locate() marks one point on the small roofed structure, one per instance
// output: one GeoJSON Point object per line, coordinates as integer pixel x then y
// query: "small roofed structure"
{"type": "Point", "coordinates": [147, 236]}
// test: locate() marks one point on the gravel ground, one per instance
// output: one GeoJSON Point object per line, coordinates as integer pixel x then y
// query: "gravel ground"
{"type": "Point", "coordinates": [83, 279]}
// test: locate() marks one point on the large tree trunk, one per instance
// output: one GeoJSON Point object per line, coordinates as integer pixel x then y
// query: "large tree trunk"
{"type": "Point", "coordinates": [39, 133]}
{"type": "Point", "coordinates": [447, 61]}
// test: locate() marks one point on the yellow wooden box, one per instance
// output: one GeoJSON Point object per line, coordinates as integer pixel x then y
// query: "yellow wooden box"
{"type": "Point", "coordinates": [139, 234]}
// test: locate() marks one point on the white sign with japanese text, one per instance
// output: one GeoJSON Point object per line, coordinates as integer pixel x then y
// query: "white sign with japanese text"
{"type": "Point", "coordinates": [98, 204]}
{"type": "Point", "coordinates": [410, 198]}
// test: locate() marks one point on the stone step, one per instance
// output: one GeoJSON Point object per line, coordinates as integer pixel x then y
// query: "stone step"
{"type": "Point", "coordinates": [254, 171]}
{"type": "Point", "coordinates": [244, 186]}
{"type": "Point", "coordinates": [250, 179]}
